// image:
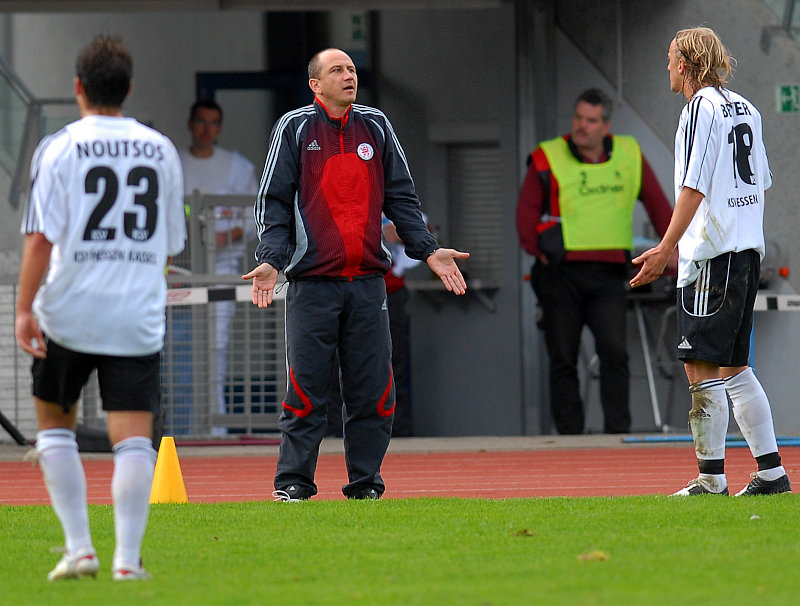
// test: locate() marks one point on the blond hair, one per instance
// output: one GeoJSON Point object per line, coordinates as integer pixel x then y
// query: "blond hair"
{"type": "Point", "coordinates": [707, 61]}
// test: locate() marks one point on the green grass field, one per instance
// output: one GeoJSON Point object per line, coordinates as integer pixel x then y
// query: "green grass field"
{"type": "Point", "coordinates": [585, 551]}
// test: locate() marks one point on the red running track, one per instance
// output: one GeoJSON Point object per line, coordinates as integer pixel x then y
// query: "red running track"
{"type": "Point", "coordinates": [496, 474]}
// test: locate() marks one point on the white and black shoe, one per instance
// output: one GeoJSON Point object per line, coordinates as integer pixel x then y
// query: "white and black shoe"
{"type": "Point", "coordinates": [292, 494]}
{"type": "Point", "coordinates": [760, 486]}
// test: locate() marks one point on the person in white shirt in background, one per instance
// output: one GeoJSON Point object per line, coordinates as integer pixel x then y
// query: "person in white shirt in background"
{"type": "Point", "coordinates": [212, 169]}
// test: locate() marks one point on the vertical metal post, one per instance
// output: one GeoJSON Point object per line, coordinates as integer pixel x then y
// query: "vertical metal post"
{"type": "Point", "coordinates": [788, 15]}
{"type": "Point", "coordinates": [648, 365]}
{"type": "Point", "coordinates": [536, 116]}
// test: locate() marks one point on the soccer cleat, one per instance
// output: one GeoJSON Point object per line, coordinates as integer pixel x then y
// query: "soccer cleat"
{"type": "Point", "coordinates": [292, 494]}
{"type": "Point", "coordinates": [760, 486]}
{"type": "Point", "coordinates": [82, 564]}
{"type": "Point", "coordinates": [695, 487]}
{"type": "Point", "coordinates": [126, 572]}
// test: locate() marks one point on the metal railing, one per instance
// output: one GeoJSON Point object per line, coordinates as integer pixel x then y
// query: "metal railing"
{"type": "Point", "coordinates": [24, 120]}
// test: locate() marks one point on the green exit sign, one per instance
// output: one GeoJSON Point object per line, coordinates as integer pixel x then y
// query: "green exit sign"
{"type": "Point", "coordinates": [787, 98]}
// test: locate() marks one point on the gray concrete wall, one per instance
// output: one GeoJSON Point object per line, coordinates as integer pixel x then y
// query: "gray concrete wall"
{"type": "Point", "coordinates": [167, 48]}
{"type": "Point", "coordinates": [458, 72]}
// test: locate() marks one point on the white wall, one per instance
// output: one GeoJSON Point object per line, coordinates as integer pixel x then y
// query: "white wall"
{"type": "Point", "coordinates": [167, 48]}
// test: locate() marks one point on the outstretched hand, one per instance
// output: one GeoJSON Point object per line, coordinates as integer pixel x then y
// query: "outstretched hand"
{"type": "Point", "coordinates": [264, 278]}
{"type": "Point", "coordinates": [651, 265]}
{"type": "Point", "coordinates": [443, 263]}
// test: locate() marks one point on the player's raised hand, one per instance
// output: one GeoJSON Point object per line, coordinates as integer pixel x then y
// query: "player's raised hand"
{"type": "Point", "coordinates": [443, 263]}
{"type": "Point", "coordinates": [264, 278]}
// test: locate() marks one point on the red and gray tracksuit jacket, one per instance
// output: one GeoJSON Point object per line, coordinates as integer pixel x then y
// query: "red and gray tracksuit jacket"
{"type": "Point", "coordinates": [325, 183]}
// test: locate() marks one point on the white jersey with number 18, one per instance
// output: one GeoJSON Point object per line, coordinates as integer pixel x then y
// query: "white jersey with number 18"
{"type": "Point", "coordinates": [719, 151]}
{"type": "Point", "coordinates": [107, 192]}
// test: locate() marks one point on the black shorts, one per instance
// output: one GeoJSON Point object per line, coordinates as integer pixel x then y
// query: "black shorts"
{"type": "Point", "coordinates": [126, 383]}
{"type": "Point", "coordinates": [715, 313]}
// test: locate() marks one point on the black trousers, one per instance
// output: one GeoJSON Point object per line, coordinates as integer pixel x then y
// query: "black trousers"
{"type": "Point", "coordinates": [399, 327]}
{"type": "Point", "coordinates": [573, 295]}
{"type": "Point", "coordinates": [323, 319]}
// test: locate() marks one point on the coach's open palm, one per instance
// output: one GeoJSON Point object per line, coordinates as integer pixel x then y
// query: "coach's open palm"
{"type": "Point", "coordinates": [443, 263]}
{"type": "Point", "coordinates": [264, 278]}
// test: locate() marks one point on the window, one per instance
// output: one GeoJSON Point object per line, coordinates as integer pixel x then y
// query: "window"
{"type": "Point", "coordinates": [475, 207]}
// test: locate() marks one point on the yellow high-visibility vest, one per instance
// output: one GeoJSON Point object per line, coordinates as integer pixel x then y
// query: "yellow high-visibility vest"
{"type": "Point", "coordinates": [597, 200]}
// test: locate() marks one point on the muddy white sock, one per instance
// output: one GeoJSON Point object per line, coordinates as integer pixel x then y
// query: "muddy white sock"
{"type": "Point", "coordinates": [708, 420]}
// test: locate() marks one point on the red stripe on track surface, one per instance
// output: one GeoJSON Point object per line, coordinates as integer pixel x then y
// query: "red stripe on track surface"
{"type": "Point", "coordinates": [496, 474]}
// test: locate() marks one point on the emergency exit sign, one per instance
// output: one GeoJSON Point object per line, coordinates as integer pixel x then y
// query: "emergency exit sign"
{"type": "Point", "coordinates": [787, 98]}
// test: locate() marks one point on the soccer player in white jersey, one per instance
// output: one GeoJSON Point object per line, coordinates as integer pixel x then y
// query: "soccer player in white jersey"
{"type": "Point", "coordinates": [104, 214]}
{"type": "Point", "coordinates": [721, 172]}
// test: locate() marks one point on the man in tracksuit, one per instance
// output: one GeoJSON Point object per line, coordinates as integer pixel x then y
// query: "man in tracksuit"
{"type": "Point", "coordinates": [332, 168]}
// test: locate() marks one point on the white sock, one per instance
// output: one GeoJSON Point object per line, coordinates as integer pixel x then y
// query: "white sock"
{"type": "Point", "coordinates": [752, 412]}
{"type": "Point", "coordinates": [708, 420]}
{"type": "Point", "coordinates": [66, 482]}
{"type": "Point", "coordinates": [771, 474]}
{"type": "Point", "coordinates": [134, 463]}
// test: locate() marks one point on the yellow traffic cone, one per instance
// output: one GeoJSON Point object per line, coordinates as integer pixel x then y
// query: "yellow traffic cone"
{"type": "Point", "coordinates": [168, 486]}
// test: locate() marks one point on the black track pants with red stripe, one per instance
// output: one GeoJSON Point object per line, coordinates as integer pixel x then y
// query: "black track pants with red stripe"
{"type": "Point", "coordinates": [321, 318]}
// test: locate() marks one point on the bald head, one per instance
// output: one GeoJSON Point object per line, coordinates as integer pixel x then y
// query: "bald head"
{"type": "Point", "coordinates": [315, 65]}
{"type": "Point", "coordinates": [332, 77]}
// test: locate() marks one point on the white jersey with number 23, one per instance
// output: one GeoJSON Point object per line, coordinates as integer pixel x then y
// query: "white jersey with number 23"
{"type": "Point", "coordinates": [107, 193]}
